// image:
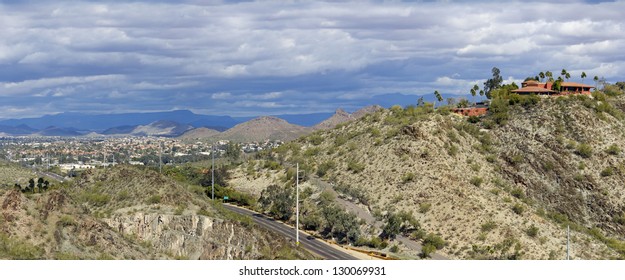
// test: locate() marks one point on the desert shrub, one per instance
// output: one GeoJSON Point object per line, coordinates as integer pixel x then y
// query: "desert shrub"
{"type": "Point", "coordinates": [434, 240]}
{"type": "Point", "coordinates": [427, 250]}
{"type": "Point", "coordinates": [96, 199]}
{"type": "Point", "coordinates": [354, 166]}
{"type": "Point", "coordinates": [608, 171]}
{"type": "Point", "coordinates": [12, 248]}
{"type": "Point", "coordinates": [613, 150]}
{"type": "Point", "coordinates": [66, 220]}
{"type": "Point", "coordinates": [408, 177]}
{"type": "Point", "coordinates": [584, 150]}
{"type": "Point", "coordinates": [473, 119]}
{"type": "Point", "coordinates": [424, 207]}
{"type": "Point", "coordinates": [394, 249]}
{"type": "Point", "coordinates": [476, 181]}
{"type": "Point", "coordinates": [518, 193]}
{"type": "Point", "coordinates": [315, 139]}
{"type": "Point", "coordinates": [340, 140]}
{"type": "Point", "coordinates": [278, 201]}
{"type": "Point", "coordinates": [518, 209]}
{"type": "Point", "coordinates": [270, 164]}
{"type": "Point", "coordinates": [532, 231]}
{"type": "Point", "coordinates": [323, 168]}
{"type": "Point", "coordinates": [154, 199]}
{"type": "Point", "coordinates": [488, 226]}
{"type": "Point", "coordinates": [312, 152]}
{"type": "Point", "coordinates": [452, 150]}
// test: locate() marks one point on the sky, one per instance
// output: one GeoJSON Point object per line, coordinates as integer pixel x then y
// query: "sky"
{"type": "Point", "coordinates": [249, 58]}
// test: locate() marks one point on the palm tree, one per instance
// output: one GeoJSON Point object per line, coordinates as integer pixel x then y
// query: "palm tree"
{"type": "Point", "coordinates": [549, 75]}
{"type": "Point", "coordinates": [481, 92]}
{"type": "Point", "coordinates": [439, 97]}
{"type": "Point", "coordinates": [563, 72]}
{"type": "Point", "coordinates": [567, 75]}
{"type": "Point", "coordinates": [541, 75]}
{"type": "Point", "coordinates": [596, 79]}
{"type": "Point", "coordinates": [474, 92]}
{"type": "Point", "coordinates": [583, 76]}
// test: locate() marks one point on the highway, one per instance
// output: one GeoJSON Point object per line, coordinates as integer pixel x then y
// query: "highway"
{"type": "Point", "coordinates": [309, 242]}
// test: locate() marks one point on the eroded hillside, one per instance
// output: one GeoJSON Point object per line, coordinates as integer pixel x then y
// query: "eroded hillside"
{"type": "Point", "coordinates": [128, 213]}
{"type": "Point", "coordinates": [505, 186]}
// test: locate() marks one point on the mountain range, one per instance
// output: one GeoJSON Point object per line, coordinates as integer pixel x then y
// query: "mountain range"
{"type": "Point", "coordinates": [180, 124]}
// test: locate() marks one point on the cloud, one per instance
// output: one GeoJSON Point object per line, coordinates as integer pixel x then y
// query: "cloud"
{"type": "Point", "coordinates": [253, 56]}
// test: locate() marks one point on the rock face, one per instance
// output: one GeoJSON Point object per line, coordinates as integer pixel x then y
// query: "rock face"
{"type": "Point", "coordinates": [193, 236]}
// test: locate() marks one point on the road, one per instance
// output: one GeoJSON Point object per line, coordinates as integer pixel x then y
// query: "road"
{"type": "Point", "coordinates": [309, 242]}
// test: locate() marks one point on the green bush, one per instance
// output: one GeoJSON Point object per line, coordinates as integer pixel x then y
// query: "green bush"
{"type": "Point", "coordinates": [532, 231]}
{"type": "Point", "coordinates": [488, 226]}
{"type": "Point", "coordinates": [354, 166]}
{"type": "Point", "coordinates": [427, 250]}
{"type": "Point", "coordinates": [518, 209]}
{"type": "Point", "coordinates": [424, 207]}
{"type": "Point", "coordinates": [434, 240]}
{"type": "Point", "coordinates": [323, 168]}
{"type": "Point", "coordinates": [613, 150]}
{"type": "Point", "coordinates": [154, 199]}
{"type": "Point", "coordinates": [408, 177]}
{"type": "Point", "coordinates": [518, 193]}
{"type": "Point", "coordinates": [394, 249]}
{"type": "Point", "coordinates": [476, 181]}
{"type": "Point", "coordinates": [315, 139]}
{"type": "Point", "coordinates": [608, 171]}
{"type": "Point", "coordinates": [584, 150]}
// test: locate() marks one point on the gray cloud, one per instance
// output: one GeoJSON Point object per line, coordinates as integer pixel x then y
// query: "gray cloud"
{"type": "Point", "coordinates": [249, 58]}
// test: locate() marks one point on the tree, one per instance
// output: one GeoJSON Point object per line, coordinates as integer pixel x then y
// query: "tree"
{"type": "Point", "coordinates": [31, 185]}
{"type": "Point", "coordinates": [549, 75]}
{"type": "Point", "coordinates": [233, 151]}
{"type": "Point", "coordinates": [583, 76]}
{"type": "Point", "coordinates": [563, 73]}
{"type": "Point", "coordinates": [46, 185]}
{"type": "Point", "coordinates": [451, 101]}
{"type": "Point", "coordinates": [40, 184]}
{"type": "Point", "coordinates": [439, 97]}
{"type": "Point", "coordinates": [493, 83]}
{"type": "Point", "coordinates": [541, 75]}
{"type": "Point", "coordinates": [557, 85]}
{"type": "Point", "coordinates": [279, 201]}
{"type": "Point", "coordinates": [474, 91]}
{"type": "Point", "coordinates": [596, 79]}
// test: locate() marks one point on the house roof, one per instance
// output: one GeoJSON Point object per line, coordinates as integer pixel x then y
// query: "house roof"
{"type": "Point", "coordinates": [533, 89]}
{"type": "Point", "coordinates": [574, 84]}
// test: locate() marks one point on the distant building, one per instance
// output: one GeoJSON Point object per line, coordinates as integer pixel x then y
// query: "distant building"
{"type": "Point", "coordinates": [480, 108]}
{"type": "Point", "coordinates": [566, 88]}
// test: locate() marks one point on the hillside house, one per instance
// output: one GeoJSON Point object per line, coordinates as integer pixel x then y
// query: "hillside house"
{"type": "Point", "coordinates": [566, 88]}
{"type": "Point", "coordinates": [480, 108]}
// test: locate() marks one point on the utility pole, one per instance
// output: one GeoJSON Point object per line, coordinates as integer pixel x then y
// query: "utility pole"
{"type": "Point", "coordinates": [297, 205]}
{"type": "Point", "coordinates": [160, 158]}
{"type": "Point", "coordinates": [213, 172]}
{"type": "Point", "coordinates": [568, 238]}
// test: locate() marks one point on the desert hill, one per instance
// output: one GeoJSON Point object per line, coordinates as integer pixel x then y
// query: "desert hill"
{"type": "Point", "coordinates": [198, 133]}
{"type": "Point", "coordinates": [261, 129]}
{"type": "Point", "coordinates": [126, 213]}
{"type": "Point", "coordinates": [504, 187]}
{"type": "Point", "coordinates": [341, 116]}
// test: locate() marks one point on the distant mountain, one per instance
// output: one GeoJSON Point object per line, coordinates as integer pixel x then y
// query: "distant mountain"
{"type": "Point", "coordinates": [261, 129]}
{"type": "Point", "coordinates": [341, 116]}
{"type": "Point", "coordinates": [103, 122]}
{"type": "Point", "coordinates": [17, 130]}
{"type": "Point", "coordinates": [57, 131]}
{"type": "Point", "coordinates": [304, 119]}
{"type": "Point", "coordinates": [157, 128]}
{"type": "Point", "coordinates": [198, 133]}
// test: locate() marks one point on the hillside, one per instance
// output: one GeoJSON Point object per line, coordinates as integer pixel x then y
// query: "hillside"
{"type": "Point", "coordinates": [261, 129]}
{"type": "Point", "coordinates": [341, 116]}
{"type": "Point", "coordinates": [127, 213]}
{"type": "Point", "coordinates": [157, 128]}
{"type": "Point", "coordinates": [504, 187]}
{"type": "Point", "coordinates": [198, 133]}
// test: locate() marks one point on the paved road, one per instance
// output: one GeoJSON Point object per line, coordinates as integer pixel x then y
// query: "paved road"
{"type": "Point", "coordinates": [310, 243]}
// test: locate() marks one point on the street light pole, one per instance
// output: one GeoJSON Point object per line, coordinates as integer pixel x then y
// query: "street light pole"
{"type": "Point", "coordinates": [297, 205]}
{"type": "Point", "coordinates": [213, 172]}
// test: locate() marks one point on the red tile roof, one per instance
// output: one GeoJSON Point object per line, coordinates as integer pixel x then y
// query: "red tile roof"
{"type": "Point", "coordinates": [533, 89]}
{"type": "Point", "coordinates": [574, 84]}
